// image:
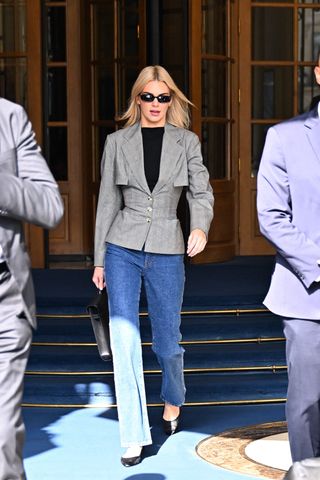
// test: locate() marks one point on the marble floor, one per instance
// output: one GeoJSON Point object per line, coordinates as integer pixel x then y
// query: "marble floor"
{"type": "Point", "coordinates": [259, 450]}
{"type": "Point", "coordinates": [272, 451]}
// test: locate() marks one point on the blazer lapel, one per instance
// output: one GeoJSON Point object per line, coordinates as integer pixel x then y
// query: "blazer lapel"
{"type": "Point", "coordinates": [312, 125]}
{"type": "Point", "coordinates": [133, 153]}
{"type": "Point", "coordinates": [170, 155]}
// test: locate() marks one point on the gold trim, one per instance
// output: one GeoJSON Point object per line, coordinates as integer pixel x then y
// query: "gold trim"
{"type": "Point", "coordinates": [63, 344]}
{"type": "Point", "coordinates": [187, 404]}
{"type": "Point", "coordinates": [230, 340]}
{"type": "Point", "coordinates": [272, 368]}
{"type": "Point", "coordinates": [236, 311]}
{"type": "Point", "coordinates": [184, 342]}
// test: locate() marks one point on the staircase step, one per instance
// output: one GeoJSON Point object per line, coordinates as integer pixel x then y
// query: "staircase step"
{"type": "Point", "coordinates": [197, 357]}
{"type": "Point", "coordinates": [196, 327]}
{"type": "Point", "coordinates": [241, 282]}
{"type": "Point", "coordinates": [209, 388]}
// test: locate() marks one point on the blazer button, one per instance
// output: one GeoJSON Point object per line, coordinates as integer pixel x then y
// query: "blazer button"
{"type": "Point", "coordinates": [150, 199]}
{"type": "Point", "coordinates": [149, 209]}
{"type": "Point", "coordinates": [148, 220]}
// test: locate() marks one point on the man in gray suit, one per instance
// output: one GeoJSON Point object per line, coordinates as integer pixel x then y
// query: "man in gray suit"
{"type": "Point", "coordinates": [28, 192]}
{"type": "Point", "coordinates": [289, 215]}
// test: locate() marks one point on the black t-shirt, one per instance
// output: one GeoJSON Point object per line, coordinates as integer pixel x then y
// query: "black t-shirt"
{"type": "Point", "coordinates": [152, 146]}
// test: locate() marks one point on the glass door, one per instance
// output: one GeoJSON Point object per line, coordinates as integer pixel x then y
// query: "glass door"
{"type": "Point", "coordinates": [213, 91]}
{"type": "Point", "coordinates": [279, 43]}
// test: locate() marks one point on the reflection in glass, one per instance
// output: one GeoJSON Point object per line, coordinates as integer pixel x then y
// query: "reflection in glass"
{"type": "Point", "coordinates": [272, 33]}
{"type": "Point", "coordinates": [12, 27]}
{"type": "Point", "coordinates": [57, 152]}
{"type": "Point", "coordinates": [103, 31]}
{"type": "Point", "coordinates": [259, 133]}
{"type": "Point", "coordinates": [309, 34]}
{"type": "Point", "coordinates": [174, 20]}
{"type": "Point", "coordinates": [272, 92]}
{"type": "Point", "coordinates": [13, 80]}
{"type": "Point", "coordinates": [57, 94]}
{"type": "Point", "coordinates": [56, 34]}
{"type": "Point", "coordinates": [129, 21]}
{"type": "Point", "coordinates": [126, 78]}
{"type": "Point", "coordinates": [104, 93]}
{"type": "Point", "coordinates": [214, 86]}
{"type": "Point", "coordinates": [214, 148]}
{"type": "Point", "coordinates": [214, 25]}
{"type": "Point", "coordinates": [308, 89]}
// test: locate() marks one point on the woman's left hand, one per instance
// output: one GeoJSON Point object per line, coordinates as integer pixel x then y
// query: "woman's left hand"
{"type": "Point", "coordinates": [196, 242]}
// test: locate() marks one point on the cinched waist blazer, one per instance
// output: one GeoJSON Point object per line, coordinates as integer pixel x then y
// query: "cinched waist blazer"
{"type": "Point", "coordinates": [129, 214]}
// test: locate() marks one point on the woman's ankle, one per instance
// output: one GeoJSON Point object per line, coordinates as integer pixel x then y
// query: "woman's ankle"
{"type": "Point", "coordinates": [171, 412]}
{"type": "Point", "coordinates": [133, 451]}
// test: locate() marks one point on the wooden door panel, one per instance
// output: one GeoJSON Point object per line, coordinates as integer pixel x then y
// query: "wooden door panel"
{"type": "Point", "coordinates": [212, 75]}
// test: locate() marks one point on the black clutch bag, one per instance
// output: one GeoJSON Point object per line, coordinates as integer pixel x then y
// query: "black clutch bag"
{"type": "Point", "coordinates": [98, 311]}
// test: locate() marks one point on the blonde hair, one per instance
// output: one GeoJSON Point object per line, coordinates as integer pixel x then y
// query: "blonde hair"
{"type": "Point", "coordinates": [178, 112]}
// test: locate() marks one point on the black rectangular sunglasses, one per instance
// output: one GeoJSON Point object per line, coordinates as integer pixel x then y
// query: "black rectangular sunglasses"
{"type": "Point", "coordinates": [149, 97]}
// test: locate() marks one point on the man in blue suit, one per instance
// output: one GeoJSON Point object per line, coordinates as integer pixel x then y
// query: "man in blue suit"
{"type": "Point", "coordinates": [289, 217]}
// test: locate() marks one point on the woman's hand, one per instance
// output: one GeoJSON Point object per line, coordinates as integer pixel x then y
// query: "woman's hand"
{"type": "Point", "coordinates": [98, 278]}
{"type": "Point", "coordinates": [196, 242]}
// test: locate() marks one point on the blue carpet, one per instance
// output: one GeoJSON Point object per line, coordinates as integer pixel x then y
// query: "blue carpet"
{"type": "Point", "coordinates": [194, 327]}
{"type": "Point", "coordinates": [220, 356]}
{"type": "Point", "coordinates": [206, 387]}
{"type": "Point", "coordinates": [84, 444]}
{"type": "Point", "coordinates": [207, 286]}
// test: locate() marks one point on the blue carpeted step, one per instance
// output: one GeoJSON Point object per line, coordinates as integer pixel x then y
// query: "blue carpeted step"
{"type": "Point", "coordinates": [238, 283]}
{"type": "Point", "coordinates": [194, 327]}
{"type": "Point", "coordinates": [220, 371]}
{"type": "Point", "coordinates": [210, 387]}
{"type": "Point", "coordinates": [206, 356]}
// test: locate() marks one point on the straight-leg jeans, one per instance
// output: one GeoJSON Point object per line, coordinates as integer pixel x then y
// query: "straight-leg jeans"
{"type": "Point", "coordinates": [163, 277]}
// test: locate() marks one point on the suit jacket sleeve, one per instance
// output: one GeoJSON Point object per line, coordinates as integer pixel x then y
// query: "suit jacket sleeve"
{"type": "Point", "coordinates": [275, 213]}
{"type": "Point", "coordinates": [199, 194]}
{"type": "Point", "coordinates": [109, 203]}
{"type": "Point", "coordinates": [30, 193]}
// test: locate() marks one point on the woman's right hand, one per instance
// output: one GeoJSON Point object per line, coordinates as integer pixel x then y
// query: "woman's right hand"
{"type": "Point", "coordinates": [98, 277]}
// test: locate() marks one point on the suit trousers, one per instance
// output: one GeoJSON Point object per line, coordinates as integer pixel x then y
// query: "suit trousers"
{"type": "Point", "coordinates": [303, 397]}
{"type": "Point", "coordinates": [15, 341]}
{"type": "Point", "coordinates": [163, 277]}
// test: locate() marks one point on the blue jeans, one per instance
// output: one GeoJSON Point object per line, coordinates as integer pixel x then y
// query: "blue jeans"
{"type": "Point", "coordinates": [163, 277]}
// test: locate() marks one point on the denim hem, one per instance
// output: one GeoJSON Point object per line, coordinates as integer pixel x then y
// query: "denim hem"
{"type": "Point", "coordinates": [171, 403]}
{"type": "Point", "coordinates": [136, 444]}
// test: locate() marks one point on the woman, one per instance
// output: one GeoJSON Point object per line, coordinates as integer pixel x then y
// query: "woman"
{"type": "Point", "coordinates": [144, 169]}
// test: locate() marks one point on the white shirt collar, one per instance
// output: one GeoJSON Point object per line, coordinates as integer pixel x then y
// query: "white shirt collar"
{"type": "Point", "coordinates": [319, 109]}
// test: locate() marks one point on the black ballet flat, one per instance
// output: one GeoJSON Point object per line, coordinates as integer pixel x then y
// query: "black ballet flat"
{"type": "Point", "coordinates": [131, 461]}
{"type": "Point", "coordinates": [171, 426]}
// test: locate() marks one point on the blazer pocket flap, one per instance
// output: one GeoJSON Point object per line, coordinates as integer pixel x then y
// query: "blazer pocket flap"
{"type": "Point", "coordinates": [8, 161]}
{"type": "Point", "coordinates": [121, 178]}
{"type": "Point", "coordinates": [182, 179]}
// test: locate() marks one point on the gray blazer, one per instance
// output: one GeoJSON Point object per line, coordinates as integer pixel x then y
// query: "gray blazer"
{"type": "Point", "coordinates": [129, 215]}
{"type": "Point", "coordinates": [28, 192]}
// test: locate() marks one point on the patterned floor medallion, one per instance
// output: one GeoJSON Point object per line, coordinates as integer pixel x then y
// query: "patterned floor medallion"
{"type": "Point", "coordinates": [227, 449]}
